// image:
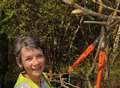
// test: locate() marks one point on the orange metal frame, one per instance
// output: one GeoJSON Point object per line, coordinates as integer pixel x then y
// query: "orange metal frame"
{"type": "Point", "coordinates": [102, 56]}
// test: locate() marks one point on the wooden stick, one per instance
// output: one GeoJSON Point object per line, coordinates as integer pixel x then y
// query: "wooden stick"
{"type": "Point", "coordinates": [95, 22]}
{"type": "Point", "coordinates": [71, 85]}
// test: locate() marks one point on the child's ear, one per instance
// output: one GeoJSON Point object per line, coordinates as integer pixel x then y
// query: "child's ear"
{"type": "Point", "coordinates": [19, 63]}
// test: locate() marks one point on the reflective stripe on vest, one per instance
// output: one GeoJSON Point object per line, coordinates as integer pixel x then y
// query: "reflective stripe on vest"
{"type": "Point", "coordinates": [23, 85]}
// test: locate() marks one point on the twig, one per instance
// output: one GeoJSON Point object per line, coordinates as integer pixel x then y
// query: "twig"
{"type": "Point", "coordinates": [7, 18]}
{"type": "Point", "coordinates": [114, 23]}
{"type": "Point", "coordinates": [61, 80]}
{"type": "Point", "coordinates": [74, 36]}
{"type": "Point", "coordinates": [105, 6]}
{"type": "Point", "coordinates": [71, 85]}
{"type": "Point", "coordinates": [107, 60]}
{"type": "Point", "coordinates": [95, 22]}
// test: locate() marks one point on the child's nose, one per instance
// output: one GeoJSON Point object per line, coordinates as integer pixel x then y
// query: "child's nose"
{"type": "Point", "coordinates": [35, 61]}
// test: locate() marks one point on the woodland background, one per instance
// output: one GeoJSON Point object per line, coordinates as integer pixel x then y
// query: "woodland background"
{"type": "Point", "coordinates": [65, 29]}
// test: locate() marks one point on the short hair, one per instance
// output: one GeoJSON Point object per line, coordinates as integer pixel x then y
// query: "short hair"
{"type": "Point", "coordinates": [27, 42]}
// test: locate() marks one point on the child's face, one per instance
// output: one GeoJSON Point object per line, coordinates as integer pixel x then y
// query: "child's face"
{"type": "Point", "coordinates": [33, 61]}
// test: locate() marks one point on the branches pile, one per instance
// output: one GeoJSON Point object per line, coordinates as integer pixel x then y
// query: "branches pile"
{"type": "Point", "coordinates": [110, 22]}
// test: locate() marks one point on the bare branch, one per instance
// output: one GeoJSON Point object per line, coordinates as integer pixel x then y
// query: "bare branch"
{"type": "Point", "coordinates": [95, 22]}
{"type": "Point", "coordinates": [89, 12]}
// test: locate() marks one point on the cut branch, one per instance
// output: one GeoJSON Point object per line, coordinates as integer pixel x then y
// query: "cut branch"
{"type": "Point", "coordinates": [89, 12]}
{"type": "Point", "coordinates": [103, 23]}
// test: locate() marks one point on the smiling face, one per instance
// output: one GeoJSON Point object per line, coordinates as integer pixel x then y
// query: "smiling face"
{"type": "Point", "coordinates": [33, 61]}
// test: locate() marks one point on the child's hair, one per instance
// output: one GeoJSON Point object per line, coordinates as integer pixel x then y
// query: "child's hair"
{"type": "Point", "coordinates": [25, 42]}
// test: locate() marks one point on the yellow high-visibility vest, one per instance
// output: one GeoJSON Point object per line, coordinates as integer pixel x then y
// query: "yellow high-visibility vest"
{"type": "Point", "coordinates": [23, 82]}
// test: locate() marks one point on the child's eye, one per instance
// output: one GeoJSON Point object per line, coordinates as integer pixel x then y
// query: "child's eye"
{"type": "Point", "coordinates": [39, 56]}
{"type": "Point", "coordinates": [29, 58]}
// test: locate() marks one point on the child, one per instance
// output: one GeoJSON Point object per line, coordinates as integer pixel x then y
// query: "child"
{"type": "Point", "coordinates": [29, 56]}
